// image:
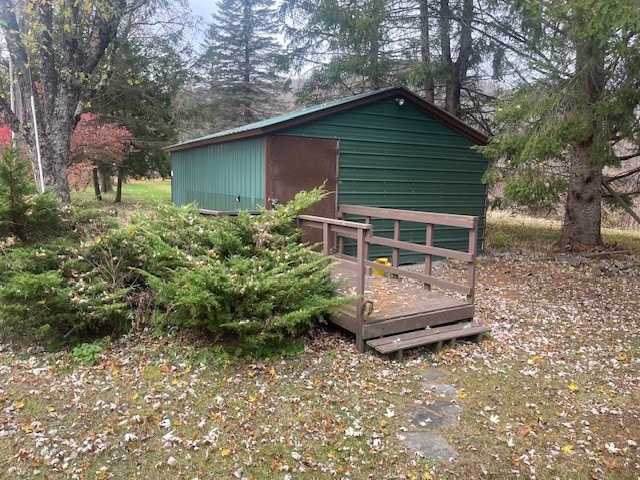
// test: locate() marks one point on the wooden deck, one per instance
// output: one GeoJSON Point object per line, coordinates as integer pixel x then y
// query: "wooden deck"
{"type": "Point", "coordinates": [400, 309]}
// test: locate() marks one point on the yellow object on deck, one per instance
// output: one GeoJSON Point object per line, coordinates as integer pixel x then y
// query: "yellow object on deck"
{"type": "Point", "coordinates": [381, 261]}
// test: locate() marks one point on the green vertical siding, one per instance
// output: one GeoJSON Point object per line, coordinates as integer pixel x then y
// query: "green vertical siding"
{"type": "Point", "coordinates": [215, 175]}
{"type": "Point", "coordinates": [399, 157]}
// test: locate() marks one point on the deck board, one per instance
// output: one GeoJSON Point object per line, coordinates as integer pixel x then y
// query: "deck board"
{"type": "Point", "coordinates": [394, 343]}
{"type": "Point", "coordinates": [398, 305]}
{"type": "Point", "coordinates": [393, 298]}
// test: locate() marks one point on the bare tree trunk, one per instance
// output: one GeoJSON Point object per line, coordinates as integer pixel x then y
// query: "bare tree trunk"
{"type": "Point", "coordinates": [106, 182]}
{"type": "Point", "coordinates": [425, 52]}
{"type": "Point", "coordinates": [374, 60]}
{"type": "Point", "coordinates": [96, 183]}
{"type": "Point", "coordinates": [458, 70]}
{"type": "Point", "coordinates": [583, 208]}
{"type": "Point", "coordinates": [118, 198]}
{"type": "Point", "coordinates": [55, 151]}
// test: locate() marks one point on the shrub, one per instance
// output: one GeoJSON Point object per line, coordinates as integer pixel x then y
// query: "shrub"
{"type": "Point", "coordinates": [245, 277]}
{"type": "Point", "coordinates": [23, 214]}
{"type": "Point", "coordinates": [257, 283]}
{"type": "Point", "coordinates": [33, 304]}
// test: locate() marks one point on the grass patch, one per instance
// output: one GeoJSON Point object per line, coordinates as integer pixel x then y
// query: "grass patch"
{"type": "Point", "coordinates": [136, 195]}
{"type": "Point", "coordinates": [505, 231]}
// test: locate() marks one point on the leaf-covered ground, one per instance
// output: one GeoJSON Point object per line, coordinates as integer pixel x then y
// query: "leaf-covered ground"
{"type": "Point", "coordinates": [553, 393]}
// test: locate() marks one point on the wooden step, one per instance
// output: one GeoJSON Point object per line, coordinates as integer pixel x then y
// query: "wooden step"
{"type": "Point", "coordinates": [427, 336]}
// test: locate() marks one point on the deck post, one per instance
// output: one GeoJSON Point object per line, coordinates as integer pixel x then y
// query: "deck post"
{"type": "Point", "coordinates": [365, 255]}
{"type": "Point", "coordinates": [395, 251]}
{"type": "Point", "coordinates": [360, 272]}
{"type": "Point", "coordinates": [340, 245]}
{"type": "Point", "coordinates": [427, 258]}
{"type": "Point", "coordinates": [471, 266]}
{"type": "Point", "coordinates": [325, 238]}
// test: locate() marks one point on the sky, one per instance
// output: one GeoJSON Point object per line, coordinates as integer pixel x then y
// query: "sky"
{"type": "Point", "coordinates": [203, 8]}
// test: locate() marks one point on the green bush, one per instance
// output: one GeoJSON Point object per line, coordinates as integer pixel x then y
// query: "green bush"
{"type": "Point", "coordinates": [253, 279]}
{"type": "Point", "coordinates": [35, 303]}
{"type": "Point", "coordinates": [243, 277]}
{"type": "Point", "coordinates": [24, 214]}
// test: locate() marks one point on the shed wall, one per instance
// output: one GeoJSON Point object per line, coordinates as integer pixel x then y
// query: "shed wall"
{"type": "Point", "coordinates": [397, 156]}
{"type": "Point", "coordinates": [214, 176]}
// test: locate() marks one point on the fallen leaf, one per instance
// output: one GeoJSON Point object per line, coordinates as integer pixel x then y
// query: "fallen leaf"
{"type": "Point", "coordinates": [526, 430]}
{"type": "Point", "coordinates": [567, 449]}
{"type": "Point", "coordinates": [102, 473]}
{"type": "Point", "coordinates": [611, 447]}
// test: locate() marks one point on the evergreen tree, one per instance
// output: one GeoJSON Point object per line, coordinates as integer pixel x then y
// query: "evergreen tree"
{"type": "Point", "coordinates": [576, 110]}
{"type": "Point", "coordinates": [357, 46]}
{"type": "Point", "coordinates": [241, 60]}
{"type": "Point", "coordinates": [350, 46]}
{"type": "Point", "coordinates": [139, 96]}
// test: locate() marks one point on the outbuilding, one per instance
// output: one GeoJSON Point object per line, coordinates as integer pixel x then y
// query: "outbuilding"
{"type": "Point", "coordinates": [388, 148]}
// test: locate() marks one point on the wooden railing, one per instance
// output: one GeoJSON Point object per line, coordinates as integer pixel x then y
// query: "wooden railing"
{"type": "Point", "coordinates": [224, 213]}
{"type": "Point", "coordinates": [335, 231]}
{"type": "Point", "coordinates": [332, 228]}
{"type": "Point", "coordinates": [430, 221]}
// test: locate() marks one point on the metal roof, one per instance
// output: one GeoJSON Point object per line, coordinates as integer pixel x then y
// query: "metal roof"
{"type": "Point", "coordinates": [282, 122]}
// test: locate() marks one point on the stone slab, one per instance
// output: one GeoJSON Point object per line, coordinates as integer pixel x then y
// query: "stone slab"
{"type": "Point", "coordinates": [430, 446]}
{"type": "Point", "coordinates": [440, 414]}
{"type": "Point", "coordinates": [433, 375]}
{"type": "Point", "coordinates": [441, 389]}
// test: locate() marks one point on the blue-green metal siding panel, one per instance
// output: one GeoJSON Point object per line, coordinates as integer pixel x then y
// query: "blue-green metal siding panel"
{"type": "Point", "coordinates": [214, 176]}
{"type": "Point", "coordinates": [399, 157]}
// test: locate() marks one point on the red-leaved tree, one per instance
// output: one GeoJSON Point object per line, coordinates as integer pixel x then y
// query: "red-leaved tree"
{"type": "Point", "coordinates": [5, 135]}
{"type": "Point", "coordinates": [96, 145]}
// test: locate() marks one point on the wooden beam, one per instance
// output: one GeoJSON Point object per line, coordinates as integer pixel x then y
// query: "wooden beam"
{"type": "Point", "coordinates": [451, 220]}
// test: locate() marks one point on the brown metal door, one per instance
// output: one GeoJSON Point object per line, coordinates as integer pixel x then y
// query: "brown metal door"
{"type": "Point", "coordinates": [299, 163]}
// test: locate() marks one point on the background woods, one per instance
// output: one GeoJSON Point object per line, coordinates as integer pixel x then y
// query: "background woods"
{"type": "Point", "coordinates": [555, 84]}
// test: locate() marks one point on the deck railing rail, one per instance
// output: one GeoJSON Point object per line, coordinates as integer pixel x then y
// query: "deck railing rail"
{"type": "Point", "coordinates": [335, 231]}
{"type": "Point", "coordinates": [332, 228]}
{"type": "Point", "coordinates": [430, 220]}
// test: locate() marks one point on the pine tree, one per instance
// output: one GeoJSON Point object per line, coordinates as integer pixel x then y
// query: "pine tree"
{"type": "Point", "coordinates": [577, 112]}
{"type": "Point", "coordinates": [349, 45]}
{"type": "Point", "coordinates": [139, 96]}
{"type": "Point", "coordinates": [240, 61]}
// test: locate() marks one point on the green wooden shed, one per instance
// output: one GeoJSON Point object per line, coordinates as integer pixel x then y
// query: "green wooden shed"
{"type": "Point", "coordinates": [388, 148]}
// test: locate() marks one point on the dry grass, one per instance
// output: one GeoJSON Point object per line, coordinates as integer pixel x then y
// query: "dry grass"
{"type": "Point", "coordinates": [507, 231]}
